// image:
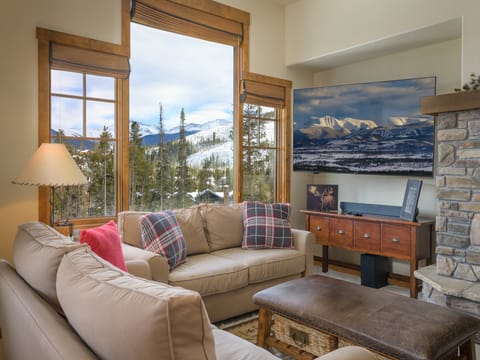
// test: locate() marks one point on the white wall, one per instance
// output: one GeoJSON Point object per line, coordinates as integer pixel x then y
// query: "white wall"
{"type": "Point", "coordinates": [19, 94]}
{"type": "Point", "coordinates": [318, 27]}
{"type": "Point", "coordinates": [442, 60]}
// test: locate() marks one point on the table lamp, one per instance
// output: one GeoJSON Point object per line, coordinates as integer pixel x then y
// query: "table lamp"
{"type": "Point", "coordinates": [51, 165]}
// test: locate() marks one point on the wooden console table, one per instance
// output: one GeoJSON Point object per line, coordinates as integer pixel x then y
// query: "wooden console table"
{"type": "Point", "coordinates": [394, 238]}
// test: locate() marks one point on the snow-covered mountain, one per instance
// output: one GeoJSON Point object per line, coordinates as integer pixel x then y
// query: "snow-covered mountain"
{"type": "Point", "coordinates": [329, 127]}
{"type": "Point", "coordinates": [193, 127]}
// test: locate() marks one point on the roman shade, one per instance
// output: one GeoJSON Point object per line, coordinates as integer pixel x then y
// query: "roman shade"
{"type": "Point", "coordinates": [263, 94]}
{"type": "Point", "coordinates": [71, 58]}
{"type": "Point", "coordinates": [185, 19]}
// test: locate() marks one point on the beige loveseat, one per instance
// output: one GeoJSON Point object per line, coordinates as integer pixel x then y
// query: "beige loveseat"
{"type": "Point", "coordinates": [217, 267]}
{"type": "Point", "coordinates": [64, 302]}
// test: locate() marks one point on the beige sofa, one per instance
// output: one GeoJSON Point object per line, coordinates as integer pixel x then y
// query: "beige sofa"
{"type": "Point", "coordinates": [64, 302]}
{"type": "Point", "coordinates": [217, 267]}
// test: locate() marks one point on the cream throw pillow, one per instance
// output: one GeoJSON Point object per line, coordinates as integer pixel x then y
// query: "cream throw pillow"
{"type": "Point", "coordinates": [224, 226]}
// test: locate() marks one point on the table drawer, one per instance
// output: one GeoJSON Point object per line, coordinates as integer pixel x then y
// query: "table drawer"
{"type": "Point", "coordinates": [367, 236]}
{"type": "Point", "coordinates": [341, 232]}
{"type": "Point", "coordinates": [319, 227]}
{"type": "Point", "coordinates": [396, 239]}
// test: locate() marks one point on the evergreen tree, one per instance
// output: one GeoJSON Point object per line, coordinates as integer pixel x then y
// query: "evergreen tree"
{"type": "Point", "coordinates": [102, 180]}
{"type": "Point", "coordinates": [141, 171]}
{"type": "Point", "coordinates": [182, 176]}
{"type": "Point", "coordinates": [163, 174]}
{"type": "Point", "coordinates": [256, 161]}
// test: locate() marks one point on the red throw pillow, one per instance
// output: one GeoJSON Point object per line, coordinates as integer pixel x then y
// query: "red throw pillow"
{"type": "Point", "coordinates": [105, 242]}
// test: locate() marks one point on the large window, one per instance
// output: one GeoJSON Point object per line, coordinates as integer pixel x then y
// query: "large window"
{"type": "Point", "coordinates": [181, 120]}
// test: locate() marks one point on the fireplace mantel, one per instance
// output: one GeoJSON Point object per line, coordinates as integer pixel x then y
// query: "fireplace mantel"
{"type": "Point", "coordinates": [458, 101]}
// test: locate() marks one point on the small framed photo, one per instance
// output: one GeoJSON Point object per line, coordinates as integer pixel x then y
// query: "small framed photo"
{"type": "Point", "coordinates": [410, 200]}
{"type": "Point", "coordinates": [322, 197]}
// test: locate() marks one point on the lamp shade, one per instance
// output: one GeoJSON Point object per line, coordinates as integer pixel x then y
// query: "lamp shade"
{"type": "Point", "coordinates": [51, 165]}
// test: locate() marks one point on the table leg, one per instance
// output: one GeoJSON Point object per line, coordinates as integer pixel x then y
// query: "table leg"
{"type": "Point", "coordinates": [413, 280]}
{"type": "Point", "coordinates": [467, 349]}
{"type": "Point", "coordinates": [264, 327]}
{"type": "Point", "coordinates": [324, 258]}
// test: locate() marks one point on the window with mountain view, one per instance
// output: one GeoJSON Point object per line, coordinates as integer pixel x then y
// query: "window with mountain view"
{"type": "Point", "coordinates": [83, 118]}
{"type": "Point", "coordinates": [259, 153]}
{"type": "Point", "coordinates": [181, 120]}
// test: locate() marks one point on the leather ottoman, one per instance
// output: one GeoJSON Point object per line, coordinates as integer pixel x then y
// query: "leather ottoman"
{"type": "Point", "coordinates": [390, 324]}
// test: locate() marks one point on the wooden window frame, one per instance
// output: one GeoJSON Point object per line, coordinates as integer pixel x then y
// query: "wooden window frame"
{"type": "Point", "coordinates": [48, 39]}
{"type": "Point", "coordinates": [272, 92]}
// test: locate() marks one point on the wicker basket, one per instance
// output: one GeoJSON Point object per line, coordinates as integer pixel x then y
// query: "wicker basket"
{"type": "Point", "coordinates": [317, 342]}
{"type": "Point", "coordinates": [343, 342]}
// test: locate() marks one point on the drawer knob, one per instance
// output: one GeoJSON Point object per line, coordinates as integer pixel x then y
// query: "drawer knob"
{"type": "Point", "coordinates": [395, 240]}
{"type": "Point", "coordinates": [318, 228]}
{"type": "Point", "coordinates": [366, 236]}
{"type": "Point", "coordinates": [341, 232]}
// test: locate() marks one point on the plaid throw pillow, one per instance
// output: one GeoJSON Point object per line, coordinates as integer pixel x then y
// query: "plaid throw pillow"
{"type": "Point", "coordinates": [161, 234]}
{"type": "Point", "coordinates": [266, 226]}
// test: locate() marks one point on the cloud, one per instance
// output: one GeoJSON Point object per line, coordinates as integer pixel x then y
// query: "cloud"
{"type": "Point", "coordinates": [178, 72]}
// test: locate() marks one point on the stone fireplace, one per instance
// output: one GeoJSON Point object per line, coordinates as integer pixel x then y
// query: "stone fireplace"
{"type": "Point", "coordinates": [454, 280]}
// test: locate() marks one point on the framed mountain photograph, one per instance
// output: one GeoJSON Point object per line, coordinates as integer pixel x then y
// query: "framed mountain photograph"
{"type": "Point", "coordinates": [368, 128]}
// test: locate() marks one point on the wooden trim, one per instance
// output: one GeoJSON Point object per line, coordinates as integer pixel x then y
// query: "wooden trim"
{"type": "Point", "coordinates": [43, 120]}
{"type": "Point", "coordinates": [125, 28]}
{"type": "Point", "coordinates": [267, 79]}
{"type": "Point", "coordinates": [459, 101]}
{"type": "Point", "coordinates": [81, 42]}
{"type": "Point", "coordinates": [123, 202]}
{"type": "Point", "coordinates": [286, 148]}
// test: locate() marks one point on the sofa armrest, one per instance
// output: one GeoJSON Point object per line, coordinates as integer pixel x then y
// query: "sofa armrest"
{"type": "Point", "coordinates": [139, 258]}
{"type": "Point", "coordinates": [348, 353]}
{"type": "Point", "coordinates": [304, 242]}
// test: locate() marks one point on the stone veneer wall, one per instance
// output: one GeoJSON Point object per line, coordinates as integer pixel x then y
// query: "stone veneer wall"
{"type": "Point", "coordinates": [458, 194]}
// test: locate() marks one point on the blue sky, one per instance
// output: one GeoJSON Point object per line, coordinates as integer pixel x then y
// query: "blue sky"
{"type": "Point", "coordinates": [178, 71]}
{"type": "Point", "coordinates": [376, 101]}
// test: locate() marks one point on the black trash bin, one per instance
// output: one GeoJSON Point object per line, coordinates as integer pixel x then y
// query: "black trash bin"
{"type": "Point", "coordinates": [374, 270]}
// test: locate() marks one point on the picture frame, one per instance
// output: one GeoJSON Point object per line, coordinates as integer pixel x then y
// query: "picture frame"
{"type": "Point", "coordinates": [410, 200]}
{"type": "Point", "coordinates": [364, 128]}
{"type": "Point", "coordinates": [322, 197]}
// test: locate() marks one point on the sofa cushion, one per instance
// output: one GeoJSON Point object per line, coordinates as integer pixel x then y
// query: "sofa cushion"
{"type": "Point", "coordinates": [123, 317]}
{"type": "Point", "coordinates": [37, 252]}
{"type": "Point", "coordinates": [223, 225]}
{"type": "Point", "coordinates": [129, 227]}
{"type": "Point", "coordinates": [191, 222]}
{"type": "Point", "coordinates": [266, 226]}
{"type": "Point", "coordinates": [229, 346]}
{"type": "Point", "coordinates": [210, 274]}
{"type": "Point", "coordinates": [161, 234]}
{"type": "Point", "coordinates": [266, 264]}
{"type": "Point", "coordinates": [105, 242]}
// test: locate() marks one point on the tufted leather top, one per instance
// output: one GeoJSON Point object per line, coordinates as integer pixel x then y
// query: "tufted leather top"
{"type": "Point", "coordinates": [392, 324]}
